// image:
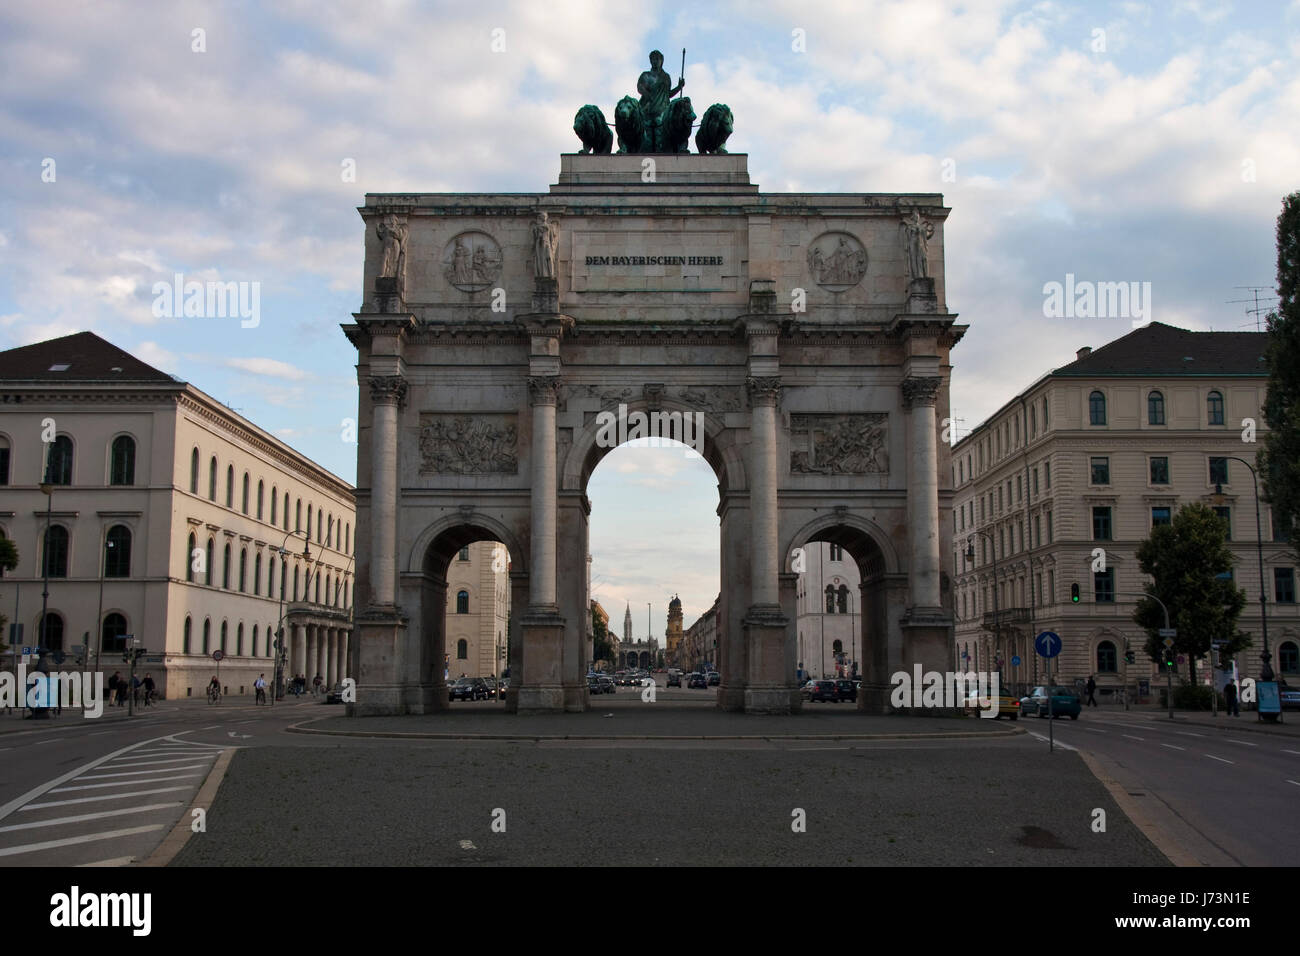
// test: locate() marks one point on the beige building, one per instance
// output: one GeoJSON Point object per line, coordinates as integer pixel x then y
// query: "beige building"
{"type": "Point", "coordinates": [829, 620]}
{"type": "Point", "coordinates": [171, 518]}
{"type": "Point", "coordinates": [699, 647]}
{"type": "Point", "coordinates": [1091, 456]}
{"type": "Point", "coordinates": [478, 610]}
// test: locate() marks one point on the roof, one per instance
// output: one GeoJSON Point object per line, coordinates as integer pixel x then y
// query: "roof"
{"type": "Point", "coordinates": [81, 357]}
{"type": "Point", "coordinates": [1158, 350]}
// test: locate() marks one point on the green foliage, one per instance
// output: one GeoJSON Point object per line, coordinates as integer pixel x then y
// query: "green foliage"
{"type": "Point", "coordinates": [8, 555]}
{"type": "Point", "coordinates": [1279, 459]}
{"type": "Point", "coordinates": [1184, 558]}
{"type": "Point", "coordinates": [602, 648]}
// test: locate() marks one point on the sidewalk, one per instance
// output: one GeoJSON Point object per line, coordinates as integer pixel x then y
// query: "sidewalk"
{"type": "Point", "coordinates": [12, 721]}
{"type": "Point", "coordinates": [1249, 720]}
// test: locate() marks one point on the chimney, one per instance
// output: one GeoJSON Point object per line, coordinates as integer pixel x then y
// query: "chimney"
{"type": "Point", "coordinates": [1083, 352]}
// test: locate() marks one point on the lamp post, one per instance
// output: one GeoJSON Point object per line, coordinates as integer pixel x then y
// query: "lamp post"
{"type": "Point", "coordinates": [970, 558]}
{"type": "Point", "coordinates": [1266, 671]}
{"type": "Point", "coordinates": [98, 634]}
{"type": "Point", "coordinates": [282, 651]}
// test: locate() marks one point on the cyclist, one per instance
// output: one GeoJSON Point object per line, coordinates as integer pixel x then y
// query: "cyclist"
{"type": "Point", "coordinates": [260, 686]}
{"type": "Point", "coordinates": [214, 690]}
{"type": "Point", "coordinates": [149, 688]}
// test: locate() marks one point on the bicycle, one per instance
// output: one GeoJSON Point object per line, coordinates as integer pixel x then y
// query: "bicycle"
{"type": "Point", "coordinates": [214, 695]}
{"type": "Point", "coordinates": [261, 696]}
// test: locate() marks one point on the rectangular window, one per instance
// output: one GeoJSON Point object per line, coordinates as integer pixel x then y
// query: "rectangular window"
{"type": "Point", "coordinates": [1035, 481]}
{"type": "Point", "coordinates": [1103, 586]}
{"type": "Point", "coordinates": [1279, 532]}
{"type": "Point", "coordinates": [1218, 471]}
{"type": "Point", "coordinates": [837, 552]}
{"type": "Point", "coordinates": [1047, 474]}
{"type": "Point", "coordinates": [1284, 585]}
{"type": "Point", "coordinates": [4, 466]}
{"type": "Point", "coordinates": [1160, 516]}
{"type": "Point", "coordinates": [1160, 471]}
{"type": "Point", "coordinates": [981, 509]}
{"type": "Point", "coordinates": [1051, 588]}
{"type": "Point", "coordinates": [1101, 471]}
{"type": "Point", "coordinates": [1018, 488]}
{"type": "Point", "coordinates": [1038, 531]}
{"type": "Point", "coordinates": [1038, 586]}
{"type": "Point", "coordinates": [1226, 514]}
{"type": "Point", "coordinates": [1101, 529]}
{"type": "Point", "coordinates": [1049, 527]}
{"type": "Point", "coordinates": [999, 499]}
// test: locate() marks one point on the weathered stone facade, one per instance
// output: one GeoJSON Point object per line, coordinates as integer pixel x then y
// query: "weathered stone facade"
{"type": "Point", "coordinates": [790, 321]}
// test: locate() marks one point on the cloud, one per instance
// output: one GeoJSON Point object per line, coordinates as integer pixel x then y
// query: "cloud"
{"type": "Point", "coordinates": [269, 367]}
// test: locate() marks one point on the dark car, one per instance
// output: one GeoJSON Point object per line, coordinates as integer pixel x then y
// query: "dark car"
{"type": "Point", "coordinates": [468, 688]}
{"type": "Point", "coordinates": [697, 680]}
{"type": "Point", "coordinates": [846, 689]}
{"type": "Point", "coordinates": [1064, 703]}
{"type": "Point", "coordinates": [674, 680]}
{"type": "Point", "coordinates": [714, 678]}
{"type": "Point", "coordinates": [823, 690]}
{"type": "Point", "coordinates": [1288, 696]}
{"type": "Point", "coordinates": [593, 684]}
{"type": "Point", "coordinates": [491, 684]}
{"type": "Point", "coordinates": [606, 685]}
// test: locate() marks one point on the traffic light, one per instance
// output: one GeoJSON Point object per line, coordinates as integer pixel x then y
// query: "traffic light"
{"type": "Point", "coordinates": [1169, 659]}
{"type": "Point", "coordinates": [1074, 593]}
{"type": "Point", "coordinates": [1130, 657]}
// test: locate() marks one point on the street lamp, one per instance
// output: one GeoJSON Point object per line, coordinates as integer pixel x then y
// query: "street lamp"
{"type": "Point", "coordinates": [98, 633]}
{"type": "Point", "coordinates": [1266, 672]}
{"type": "Point", "coordinates": [282, 652]}
{"type": "Point", "coordinates": [970, 558]}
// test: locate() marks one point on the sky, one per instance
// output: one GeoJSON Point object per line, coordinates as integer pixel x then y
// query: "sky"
{"type": "Point", "coordinates": [1118, 141]}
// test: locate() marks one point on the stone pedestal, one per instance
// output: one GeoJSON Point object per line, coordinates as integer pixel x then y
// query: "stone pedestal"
{"type": "Point", "coordinates": [381, 687]}
{"type": "Point", "coordinates": [921, 297]}
{"type": "Point", "coordinates": [541, 686]}
{"type": "Point", "coordinates": [927, 641]}
{"type": "Point", "coordinates": [768, 685]}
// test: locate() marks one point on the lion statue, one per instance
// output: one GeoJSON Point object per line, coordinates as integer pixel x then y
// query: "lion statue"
{"type": "Point", "coordinates": [677, 135]}
{"type": "Point", "coordinates": [590, 125]}
{"type": "Point", "coordinates": [629, 122]}
{"type": "Point", "coordinates": [714, 129]}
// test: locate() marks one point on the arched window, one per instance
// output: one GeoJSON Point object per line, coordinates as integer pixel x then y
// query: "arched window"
{"type": "Point", "coordinates": [189, 558]}
{"type": "Point", "coordinates": [297, 515]}
{"type": "Point", "coordinates": [462, 650]}
{"type": "Point", "coordinates": [121, 467]}
{"type": "Point", "coordinates": [318, 589]}
{"type": "Point", "coordinates": [260, 489]}
{"type": "Point", "coordinates": [327, 590]}
{"type": "Point", "coordinates": [830, 599]}
{"type": "Point", "coordinates": [309, 522]}
{"type": "Point", "coordinates": [257, 573]}
{"type": "Point", "coordinates": [295, 584]}
{"type": "Point", "coordinates": [239, 640]}
{"type": "Point", "coordinates": [275, 494]}
{"type": "Point", "coordinates": [207, 636]}
{"type": "Point", "coordinates": [224, 634]}
{"type": "Point", "coordinates": [211, 563]}
{"type": "Point", "coordinates": [254, 650]}
{"type": "Point", "coordinates": [1214, 403]}
{"type": "Point", "coordinates": [225, 569]}
{"type": "Point", "coordinates": [462, 602]}
{"type": "Point", "coordinates": [194, 472]}
{"type": "Point", "coordinates": [1288, 657]}
{"type": "Point", "coordinates": [187, 634]}
{"type": "Point", "coordinates": [837, 646]}
{"type": "Point", "coordinates": [56, 552]}
{"type": "Point", "coordinates": [243, 497]}
{"type": "Point", "coordinates": [113, 638]}
{"type": "Point", "coordinates": [284, 573]}
{"type": "Point", "coordinates": [1097, 409]}
{"type": "Point", "coordinates": [347, 538]}
{"type": "Point", "coordinates": [243, 568]}
{"type": "Point", "coordinates": [1107, 659]}
{"type": "Point", "coordinates": [270, 575]}
{"type": "Point", "coordinates": [230, 486]}
{"type": "Point", "coordinates": [51, 633]}
{"type": "Point", "coordinates": [286, 511]}
{"type": "Point", "coordinates": [842, 599]}
{"type": "Point", "coordinates": [1155, 408]}
{"type": "Point", "coordinates": [212, 479]}
{"type": "Point", "coordinates": [270, 649]}
{"type": "Point", "coordinates": [59, 463]}
{"type": "Point", "coordinates": [117, 552]}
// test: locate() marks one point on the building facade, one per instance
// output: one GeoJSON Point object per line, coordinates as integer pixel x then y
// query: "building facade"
{"type": "Point", "coordinates": [633, 654]}
{"type": "Point", "coordinates": [673, 632]}
{"type": "Point", "coordinates": [699, 648]}
{"type": "Point", "coordinates": [1083, 464]}
{"type": "Point", "coordinates": [171, 519]}
{"type": "Point", "coordinates": [478, 611]}
{"type": "Point", "coordinates": [830, 612]}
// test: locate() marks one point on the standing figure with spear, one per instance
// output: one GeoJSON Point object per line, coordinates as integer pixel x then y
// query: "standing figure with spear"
{"type": "Point", "coordinates": [655, 87]}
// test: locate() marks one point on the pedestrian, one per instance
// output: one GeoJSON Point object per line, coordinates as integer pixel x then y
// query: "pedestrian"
{"type": "Point", "coordinates": [112, 687]}
{"type": "Point", "coordinates": [259, 685]}
{"type": "Point", "coordinates": [1092, 689]}
{"type": "Point", "coordinates": [148, 688]}
{"type": "Point", "coordinates": [1230, 698]}
{"type": "Point", "coordinates": [315, 685]}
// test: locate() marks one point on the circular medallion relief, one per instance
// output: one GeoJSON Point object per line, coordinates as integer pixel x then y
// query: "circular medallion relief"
{"type": "Point", "coordinates": [472, 261]}
{"type": "Point", "coordinates": [837, 261]}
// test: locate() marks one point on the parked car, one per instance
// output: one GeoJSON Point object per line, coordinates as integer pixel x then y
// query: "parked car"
{"type": "Point", "coordinates": [1007, 706]}
{"type": "Point", "coordinates": [468, 688]}
{"type": "Point", "coordinates": [697, 680]}
{"type": "Point", "coordinates": [1288, 696]}
{"type": "Point", "coordinates": [846, 689]}
{"type": "Point", "coordinates": [491, 684]}
{"type": "Point", "coordinates": [823, 690]}
{"type": "Point", "coordinates": [606, 685]}
{"type": "Point", "coordinates": [1065, 703]}
{"type": "Point", "coordinates": [674, 680]}
{"type": "Point", "coordinates": [714, 678]}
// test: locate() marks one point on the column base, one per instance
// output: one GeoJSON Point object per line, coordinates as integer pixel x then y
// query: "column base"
{"type": "Point", "coordinates": [770, 685]}
{"type": "Point", "coordinates": [874, 699]}
{"type": "Point", "coordinates": [381, 685]}
{"type": "Point", "coordinates": [541, 686]}
{"type": "Point", "coordinates": [773, 700]}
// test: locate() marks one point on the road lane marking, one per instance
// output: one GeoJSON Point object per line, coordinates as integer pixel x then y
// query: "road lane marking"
{"type": "Point", "coordinates": [116, 861]}
{"type": "Point", "coordinates": [1094, 730]}
{"type": "Point", "coordinates": [1058, 743]}
{"type": "Point", "coordinates": [124, 783]}
{"type": "Point", "coordinates": [1292, 781]}
{"type": "Point", "coordinates": [1172, 747]}
{"type": "Point", "coordinates": [83, 817]}
{"type": "Point", "coordinates": [213, 727]}
{"type": "Point", "coordinates": [1296, 752]}
{"type": "Point", "coordinates": [1186, 734]}
{"type": "Point", "coordinates": [1131, 737]}
{"type": "Point", "coordinates": [141, 773]}
{"type": "Point", "coordinates": [72, 841]}
{"type": "Point", "coordinates": [161, 764]}
{"type": "Point", "coordinates": [1220, 759]}
{"type": "Point", "coordinates": [110, 796]}
{"type": "Point", "coordinates": [1244, 743]}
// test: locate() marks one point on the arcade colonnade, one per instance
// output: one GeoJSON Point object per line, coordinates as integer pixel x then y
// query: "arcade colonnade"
{"type": "Point", "coordinates": [317, 645]}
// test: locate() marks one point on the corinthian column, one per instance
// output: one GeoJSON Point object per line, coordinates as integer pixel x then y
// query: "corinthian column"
{"type": "Point", "coordinates": [387, 394]}
{"type": "Point", "coordinates": [919, 395]}
{"type": "Point", "coordinates": [542, 585]}
{"type": "Point", "coordinates": [764, 394]}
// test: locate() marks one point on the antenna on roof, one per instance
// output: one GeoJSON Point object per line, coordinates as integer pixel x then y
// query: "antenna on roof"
{"type": "Point", "coordinates": [1255, 290]}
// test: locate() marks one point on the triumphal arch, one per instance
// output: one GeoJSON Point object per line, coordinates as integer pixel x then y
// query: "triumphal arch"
{"type": "Point", "coordinates": [807, 334]}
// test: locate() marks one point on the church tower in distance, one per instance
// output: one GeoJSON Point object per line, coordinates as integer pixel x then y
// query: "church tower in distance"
{"type": "Point", "coordinates": [674, 631]}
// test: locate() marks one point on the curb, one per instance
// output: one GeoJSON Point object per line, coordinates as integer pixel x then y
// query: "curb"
{"type": "Point", "coordinates": [301, 728]}
{"type": "Point", "coordinates": [1171, 850]}
{"type": "Point", "coordinates": [175, 841]}
{"type": "Point", "coordinates": [1253, 726]}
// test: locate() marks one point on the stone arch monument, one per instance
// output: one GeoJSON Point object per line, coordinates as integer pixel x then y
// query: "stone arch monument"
{"type": "Point", "coordinates": [500, 334]}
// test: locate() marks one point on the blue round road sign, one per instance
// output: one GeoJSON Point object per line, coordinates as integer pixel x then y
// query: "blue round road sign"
{"type": "Point", "coordinates": [1047, 644]}
{"type": "Point", "coordinates": [1015, 660]}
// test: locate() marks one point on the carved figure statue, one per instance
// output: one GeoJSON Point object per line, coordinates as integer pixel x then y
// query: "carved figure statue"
{"type": "Point", "coordinates": [392, 234]}
{"type": "Point", "coordinates": [592, 129]}
{"type": "Point", "coordinates": [656, 89]}
{"type": "Point", "coordinates": [916, 231]}
{"type": "Point", "coordinates": [716, 126]}
{"type": "Point", "coordinates": [629, 123]}
{"type": "Point", "coordinates": [460, 264]}
{"type": "Point", "coordinates": [546, 236]}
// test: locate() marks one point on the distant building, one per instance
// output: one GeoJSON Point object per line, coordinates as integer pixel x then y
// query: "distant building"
{"type": "Point", "coordinates": [699, 648]}
{"type": "Point", "coordinates": [673, 633]}
{"type": "Point", "coordinates": [636, 654]}
{"type": "Point", "coordinates": [829, 618]}
{"type": "Point", "coordinates": [1091, 456]}
{"type": "Point", "coordinates": [171, 519]}
{"type": "Point", "coordinates": [478, 610]}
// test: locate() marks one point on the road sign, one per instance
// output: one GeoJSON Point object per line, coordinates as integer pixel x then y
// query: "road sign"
{"type": "Point", "coordinates": [131, 640]}
{"type": "Point", "coordinates": [1015, 660]}
{"type": "Point", "coordinates": [1167, 632]}
{"type": "Point", "coordinates": [152, 658]}
{"type": "Point", "coordinates": [218, 654]}
{"type": "Point", "coordinates": [1047, 644]}
{"type": "Point", "coordinates": [1169, 642]}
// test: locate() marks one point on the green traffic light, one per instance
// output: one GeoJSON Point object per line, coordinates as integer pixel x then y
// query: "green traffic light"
{"type": "Point", "coordinates": [1074, 593]}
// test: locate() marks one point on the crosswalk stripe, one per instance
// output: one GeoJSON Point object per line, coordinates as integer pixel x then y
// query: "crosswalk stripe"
{"type": "Point", "coordinates": [81, 818]}
{"type": "Point", "coordinates": [125, 783]}
{"type": "Point", "coordinates": [139, 773]}
{"type": "Point", "coordinates": [72, 841]}
{"type": "Point", "coordinates": [109, 796]}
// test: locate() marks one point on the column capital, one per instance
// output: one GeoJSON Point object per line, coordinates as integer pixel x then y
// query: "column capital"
{"type": "Point", "coordinates": [542, 389]}
{"type": "Point", "coordinates": [387, 390]}
{"type": "Point", "coordinates": [921, 390]}
{"type": "Point", "coordinates": [764, 390]}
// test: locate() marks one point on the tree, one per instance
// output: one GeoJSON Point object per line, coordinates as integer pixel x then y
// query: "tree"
{"type": "Point", "coordinates": [8, 561]}
{"type": "Point", "coordinates": [1185, 560]}
{"type": "Point", "coordinates": [602, 647]}
{"type": "Point", "coordinates": [1279, 459]}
